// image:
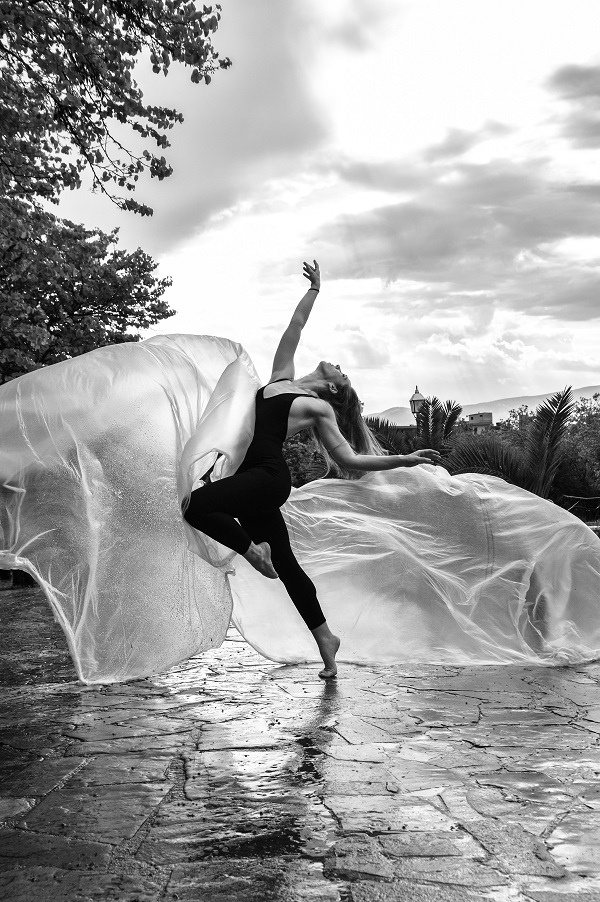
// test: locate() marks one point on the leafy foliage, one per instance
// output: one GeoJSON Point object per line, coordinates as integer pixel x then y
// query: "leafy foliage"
{"type": "Point", "coordinates": [66, 289]}
{"type": "Point", "coordinates": [393, 438]}
{"type": "Point", "coordinates": [303, 458]}
{"type": "Point", "coordinates": [543, 451]}
{"type": "Point", "coordinates": [579, 472]}
{"type": "Point", "coordinates": [67, 91]}
{"type": "Point", "coordinates": [534, 463]}
{"type": "Point", "coordinates": [435, 422]}
{"type": "Point", "coordinates": [513, 430]}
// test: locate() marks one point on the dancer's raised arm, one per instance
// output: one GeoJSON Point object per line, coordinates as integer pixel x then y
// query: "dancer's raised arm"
{"type": "Point", "coordinates": [343, 453]}
{"type": "Point", "coordinates": [283, 363]}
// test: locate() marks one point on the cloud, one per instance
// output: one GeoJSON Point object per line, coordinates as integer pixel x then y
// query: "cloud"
{"type": "Point", "coordinates": [363, 354]}
{"type": "Point", "coordinates": [576, 82]}
{"type": "Point", "coordinates": [388, 175]}
{"type": "Point", "coordinates": [487, 229]}
{"type": "Point", "coordinates": [459, 141]}
{"type": "Point", "coordinates": [355, 24]}
{"type": "Point", "coordinates": [579, 86]}
{"type": "Point", "coordinates": [255, 121]}
{"type": "Point", "coordinates": [501, 353]}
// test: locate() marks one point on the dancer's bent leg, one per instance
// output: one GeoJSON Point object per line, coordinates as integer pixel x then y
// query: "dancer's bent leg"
{"type": "Point", "coordinates": [213, 508]}
{"type": "Point", "coordinates": [301, 589]}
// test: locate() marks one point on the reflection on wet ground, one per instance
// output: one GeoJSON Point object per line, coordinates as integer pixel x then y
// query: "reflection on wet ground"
{"type": "Point", "coordinates": [232, 778]}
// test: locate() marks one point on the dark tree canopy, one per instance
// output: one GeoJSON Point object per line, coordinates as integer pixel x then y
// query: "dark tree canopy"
{"type": "Point", "coordinates": [67, 91]}
{"type": "Point", "coordinates": [65, 290]}
{"type": "Point", "coordinates": [69, 102]}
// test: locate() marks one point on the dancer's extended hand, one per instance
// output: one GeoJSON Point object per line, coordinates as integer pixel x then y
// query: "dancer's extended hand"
{"type": "Point", "coordinates": [425, 456]}
{"type": "Point", "coordinates": [313, 274]}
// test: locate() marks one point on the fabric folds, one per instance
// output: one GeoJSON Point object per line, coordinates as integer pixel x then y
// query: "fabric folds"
{"type": "Point", "coordinates": [415, 565]}
{"type": "Point", "coordinates": [97, 455]}
{"type": "Point", "coordinates": [89, 456]}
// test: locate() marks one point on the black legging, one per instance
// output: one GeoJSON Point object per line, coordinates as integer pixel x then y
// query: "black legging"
{"type": "Point", "coordinates": [254, 496]}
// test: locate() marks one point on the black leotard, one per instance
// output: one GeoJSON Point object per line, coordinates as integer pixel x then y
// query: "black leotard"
{"type": "Point", "coordinates": [254, 495]}
{"type": "Point", "coordinates": [270, 428]}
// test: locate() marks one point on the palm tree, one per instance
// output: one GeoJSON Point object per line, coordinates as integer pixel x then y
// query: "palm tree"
{"type": "Point", "coordinates": [435, 422]}
{"type": "Point", "coordinates": [393, 438]}
{"type": "Point", "coordinates": [532, 467]}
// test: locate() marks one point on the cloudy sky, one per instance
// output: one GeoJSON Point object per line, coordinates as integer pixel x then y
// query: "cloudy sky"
{"type": "Point", "coordinates": [440, 158]}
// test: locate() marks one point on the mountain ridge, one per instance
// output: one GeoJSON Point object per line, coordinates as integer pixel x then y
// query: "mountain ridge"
{"type": "Point", "coordinates": [499, 408]}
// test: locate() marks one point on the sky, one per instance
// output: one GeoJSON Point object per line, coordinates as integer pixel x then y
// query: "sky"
{"type": "Point", "coordinates": [439, 158]}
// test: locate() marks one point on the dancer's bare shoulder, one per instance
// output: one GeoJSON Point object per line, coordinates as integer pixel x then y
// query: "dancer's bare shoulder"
{"type": "Point", "coordinates": [305, 412]}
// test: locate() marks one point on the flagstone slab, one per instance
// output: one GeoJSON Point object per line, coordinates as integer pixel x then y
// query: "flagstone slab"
{"type": "Point", "coordinates": [368, 752]}
{"type": "Point", "coordinates": [514, 850]}
{"type": "Point", "coordinates": [236, 827]}
{"type": "Point", "coordinates": [449, 871]}
{"type": "Point", "coordinates": [14, 807]}
{"type": "Point", "coordinates": [532, 786]}
{"type": "Point", "coordinates": [118, 769]}
{"type": "Point", "coordinates": [136, 728]}
{"type": "Point", "coordinates": [255, 732]}
{"type": "Point", "coordinates": [430, 845]}
{"type": "Point", "coordinates": [48, 884]}
{"type": "Point", "coordinates": [378, 814]}
{"type": "Point", "coordinates": [240, 880]}
{"type": "Point", "coordinates": [521, 737]}
{"type": "Point", "coordinates": [358, 857]}
{"type": "Point", "coordinates": [404, 891]}
{"type": "Point", "coordinates": [561, 895]}
{"type": "Point", "coordinates": [255, 773]}
{"type": "Point", "coordinates": [107, 813]}
{"type": "Point", "coordinates": [38, 778]}
{"type": "Point", "coordinates": [575, 842]}
{"type": "Point", "coordinates": [25, 848]}
{"type": "Point", "coordinates": [140, 745]}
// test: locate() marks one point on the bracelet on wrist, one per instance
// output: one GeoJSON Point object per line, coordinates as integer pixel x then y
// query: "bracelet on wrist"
{"type": "Point", "coordinates": [314, 288]}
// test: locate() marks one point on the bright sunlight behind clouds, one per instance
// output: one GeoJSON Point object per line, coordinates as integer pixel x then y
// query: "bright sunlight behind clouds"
{"type": "Point", "coordinates": [438, 157]}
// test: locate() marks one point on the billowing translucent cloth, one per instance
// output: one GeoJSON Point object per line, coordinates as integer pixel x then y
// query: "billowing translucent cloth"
{"type": "Point", "coordinates": [89, 457]}
{"type": "Point", "coordinates": [415, 565]}
{"type": "Point", "coordinates": [97, 454]}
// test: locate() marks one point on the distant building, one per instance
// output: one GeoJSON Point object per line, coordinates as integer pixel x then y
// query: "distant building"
{"type": "Point", "coordinates": [480, 422]}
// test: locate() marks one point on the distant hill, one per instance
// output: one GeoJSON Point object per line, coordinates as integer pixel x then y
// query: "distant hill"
{"type": "Point", "coordinates": [500, 409]}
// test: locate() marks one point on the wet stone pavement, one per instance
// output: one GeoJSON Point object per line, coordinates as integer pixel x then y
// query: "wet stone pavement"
{"type": "Point", "coordinates": [232, 778]}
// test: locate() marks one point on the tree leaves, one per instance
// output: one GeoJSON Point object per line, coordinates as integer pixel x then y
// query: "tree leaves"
{"type": "Point", "coordinates": [393, 438]}
{"type": "Point", "coordinates": [66, 78]}
{"type": "Point", "coordinates": [435, 422]}
{"type": "Point", "coordinates": [532, 464]}
{"type": "Point", "coordinates": [66, 289]}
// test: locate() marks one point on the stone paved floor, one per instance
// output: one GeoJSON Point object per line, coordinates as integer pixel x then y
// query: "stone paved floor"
{"type": "Point", "coordinates": [231, 778]}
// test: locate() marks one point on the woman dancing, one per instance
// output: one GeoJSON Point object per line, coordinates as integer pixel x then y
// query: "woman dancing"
{"type": "Point", "coordinates": [243, 511]}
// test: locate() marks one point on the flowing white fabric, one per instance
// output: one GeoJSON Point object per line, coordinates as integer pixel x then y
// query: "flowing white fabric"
{"type": "Point", "coordinates": [415, 565]}
{"type": "Point", "coordinates": [97, 454]}
{"type": "Point", "coordinates": [89, 456]}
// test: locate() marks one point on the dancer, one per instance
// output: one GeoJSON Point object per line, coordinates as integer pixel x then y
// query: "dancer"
{"type": "Point", "coordinates": [243, 511]}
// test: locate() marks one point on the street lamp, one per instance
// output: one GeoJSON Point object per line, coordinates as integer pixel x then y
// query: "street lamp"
{"type": "Point", "coordinates": [416, 402]}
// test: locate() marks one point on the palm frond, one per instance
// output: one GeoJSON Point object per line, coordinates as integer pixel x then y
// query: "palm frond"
{"type": "Point", "coordinates": [543, 443]}
{"type": "Point", "coordinates": [393, 438]}
{"type": "Point", "coordinates": [487, 454]}
{"type": "Point", "coordinates": [435, 422]}
{"type": "Point", "coordinates": [452, 411]}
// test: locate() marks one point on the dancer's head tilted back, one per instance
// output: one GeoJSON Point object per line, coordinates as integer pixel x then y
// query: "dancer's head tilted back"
{"type": "Point", "coordinates": [337, 390]}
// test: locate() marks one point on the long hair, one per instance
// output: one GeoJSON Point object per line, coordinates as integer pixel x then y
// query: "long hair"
{"type": "Point", "coordinates": [347, 408]}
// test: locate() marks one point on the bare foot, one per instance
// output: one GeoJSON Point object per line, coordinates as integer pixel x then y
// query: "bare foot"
{"type": "Point", "coordinates": [328, 647]}
{"type": "Point", "coordinates": [260, 558]}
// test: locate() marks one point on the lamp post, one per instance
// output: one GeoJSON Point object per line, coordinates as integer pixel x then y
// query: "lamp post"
{"type": "Point", "coordinates": [416, 402]}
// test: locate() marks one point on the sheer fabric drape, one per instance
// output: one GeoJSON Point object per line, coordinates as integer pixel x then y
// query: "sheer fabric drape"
{"type": "Point", "coordinates": [98, 453]}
